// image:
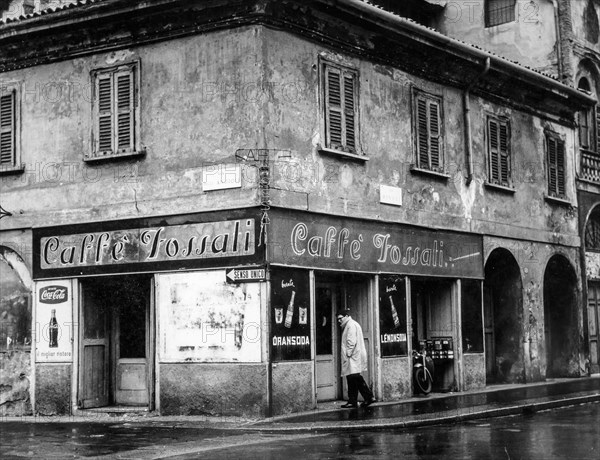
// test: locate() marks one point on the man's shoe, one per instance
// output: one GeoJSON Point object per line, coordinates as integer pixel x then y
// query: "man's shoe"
{"type": "Point", "coordinates": [369, 402]}
{"type": "Point", "coordinates": [349, 406]}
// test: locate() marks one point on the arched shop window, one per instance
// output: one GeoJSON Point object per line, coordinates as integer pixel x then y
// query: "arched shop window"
{"type": "Point", "coordinates": [15, 310]}
{"type": "Point", "coordinates": [592, 231]}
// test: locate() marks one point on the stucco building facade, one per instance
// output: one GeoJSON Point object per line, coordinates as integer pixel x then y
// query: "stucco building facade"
{"type": "Point", "coordinates": [191, 190]}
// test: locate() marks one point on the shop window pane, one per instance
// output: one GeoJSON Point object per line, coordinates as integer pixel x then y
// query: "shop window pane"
{"type": "Point", "coordinates": [15, 311]}
{"type": "Point", "coordinates": [472, 321]}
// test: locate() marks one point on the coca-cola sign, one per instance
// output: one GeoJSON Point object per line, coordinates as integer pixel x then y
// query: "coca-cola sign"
{"type": "Point", "coordinates": [54, 294]}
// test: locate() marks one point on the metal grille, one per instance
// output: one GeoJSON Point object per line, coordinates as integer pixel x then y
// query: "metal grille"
{"type": "Point", "coordinates": [499, 12]}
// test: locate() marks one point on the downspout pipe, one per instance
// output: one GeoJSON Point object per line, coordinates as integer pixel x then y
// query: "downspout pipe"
{"type": "Point", "coordinates": [467, 119]}
{"type": "Point", "coordinates": [559, 63]}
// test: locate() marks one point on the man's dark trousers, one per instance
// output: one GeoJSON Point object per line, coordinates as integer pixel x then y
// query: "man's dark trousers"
{"type": "Point", "coordinates": [357, 383]}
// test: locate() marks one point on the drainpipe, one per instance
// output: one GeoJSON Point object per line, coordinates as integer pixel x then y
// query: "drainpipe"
{"type": "Point", "coordinates": [467, 118]}
{"type": "Point", "coordinates": [558, 41]}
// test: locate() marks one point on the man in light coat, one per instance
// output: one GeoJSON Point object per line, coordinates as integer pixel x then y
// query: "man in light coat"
{"type": "Point", "coordinates": [354, 360]}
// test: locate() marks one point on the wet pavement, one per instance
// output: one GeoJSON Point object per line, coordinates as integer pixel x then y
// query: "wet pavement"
{"type": "Point", "coordinates": [328, 432]}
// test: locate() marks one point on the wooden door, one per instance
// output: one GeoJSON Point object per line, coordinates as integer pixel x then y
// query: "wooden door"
{"type": "Point", "coordinates": [593, 317]}
{"type": "Point", "coordinates": [130, 339]}
{"type": "Point", "coordinates": [95, 351]}
{"type": "Point", "coordinates": [327, 369]}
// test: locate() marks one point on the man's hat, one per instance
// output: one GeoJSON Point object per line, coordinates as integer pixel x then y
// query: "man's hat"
{"type": "Point", "coordinates": [343, 312]}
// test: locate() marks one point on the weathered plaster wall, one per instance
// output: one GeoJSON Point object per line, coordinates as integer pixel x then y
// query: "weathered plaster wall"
{"type": "Point", "coordinates": [474, 371]}
{"type": "Point", "coordinates": [396, 378]}
{"type": "Point", "coordinates": [15, 381]}
{"type": "Point", "coordinates": [586, 22]}
{"type": "Point", "coordinates": [213, 389]}
{"type": "Point", "coordinates": [326, 183]}
{"type": "Point", "coordinates": [529, 40]}
{"type": "Point", "coordinates": [592, 265]}
{"type": "Point", "coordinates": [198, 106]}
{"type": "Point", "coordinates": [291, 387]}
{"type": "Point", "coordinates": [53, 389]}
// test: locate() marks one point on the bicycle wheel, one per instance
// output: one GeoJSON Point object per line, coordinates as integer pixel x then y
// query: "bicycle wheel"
{"type": "Point", "coordinates": [423, 381]}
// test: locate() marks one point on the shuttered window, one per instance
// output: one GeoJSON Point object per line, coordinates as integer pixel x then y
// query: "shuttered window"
{"type": "Point", "coordinates": [498, 145]}
{"type": "Point", "coordinates": [7, 129]}
{"type": "Point", "coordinates": [598, 129]}
{"type": "Point", "coordinates": [428, 131]}
{"type": "Point", "coordinates": [341, 108]}
{"type": "Point", "coordinates": [499, 12]}
{"type": "Point", "coordinates": [115, 111]}
{"type": "Point", "coordinates": [555, 149]}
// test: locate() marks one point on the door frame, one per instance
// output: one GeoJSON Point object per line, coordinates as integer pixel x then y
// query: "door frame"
{"type": "Point", "coordinates": [151, 349]}
{"type": "Point", "coordinates": [335, 336]}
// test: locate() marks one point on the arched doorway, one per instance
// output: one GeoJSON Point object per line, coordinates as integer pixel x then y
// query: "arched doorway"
{"type": "Point", "coordinates": [503, 301]}
{"type": "Point", "coordinates": [560, 318]}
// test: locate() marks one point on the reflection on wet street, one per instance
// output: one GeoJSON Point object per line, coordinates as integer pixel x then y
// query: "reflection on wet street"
{"type": "Point", "coordinates": [567, 433]}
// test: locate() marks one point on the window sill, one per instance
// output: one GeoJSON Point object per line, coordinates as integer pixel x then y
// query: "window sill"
{"type": "Point", "coordinates": [428, 172]}
{"type": "Point", "coordinates": [500, 188]}
{"type": "Point", "coordinates": [340, 153]}
{"type": "Point", "coordinates": [12, 170]}
{"type": "Point", "coordinates": [114, 156]}
{"type": "Point", "coordinates": [556, 200]}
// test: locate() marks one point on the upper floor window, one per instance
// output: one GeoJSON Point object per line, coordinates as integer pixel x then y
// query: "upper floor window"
{"type": "Point", "coordinates": [428, 129]}
{"type": "Point", "coordinates": [555, 151]}
{"type": "Point", "coordinates": [585, 120]}
{"type": "Point", "coordinates": [116, 110]}
{"type": "Point", "coordinates": [340, 96]}
{"type": "Point", "coordinates": [499, 12]}
{"type": "Point", "coordinates": [8, 129]}
{"type": "Point", "coordinates": [498, 148]}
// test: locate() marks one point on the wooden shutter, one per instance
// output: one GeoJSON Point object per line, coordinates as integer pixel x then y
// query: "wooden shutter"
{"type": "Point", "coordinates": [499, 151]}
{"type": "Point", "coordinates": [124, 87]}
{"type": "Point", "coordinates": [340, 108]}
{"type": "Point", "coordinates": [584, 129]}
{"type": "Point", "coordinates": [105, 114]}
{"type": "Point", "coordinates": [556, 167]}
{"type": "Point", "coordinates": [598, 129]}
{"type": "Point", "coordinates": [7, 129]}
{"type": "Point", "coordinates": [349, 111]}
{"type": "Point", "coordinates": [434, 134]}
{"type": "Point", "coordinates": [428, 125]}
{"type": "Point", "coordinates": [333, 103]}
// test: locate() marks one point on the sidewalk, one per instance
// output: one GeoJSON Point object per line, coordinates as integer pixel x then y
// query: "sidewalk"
{"type": "Point", "coordinates": [436, 408]}
{"type": "Point", "coordinates": [494, 401]}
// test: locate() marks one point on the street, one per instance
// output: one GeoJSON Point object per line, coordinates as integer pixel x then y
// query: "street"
{"type": "Point", "coordinates": [566, 433]}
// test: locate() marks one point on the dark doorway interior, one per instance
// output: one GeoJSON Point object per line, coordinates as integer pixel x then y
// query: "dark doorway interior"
{"type": "Point", "coordinates": [560, 307]}
{"type": "Point", "coordinates": [116, 355]}
{"type": "Point", "coordinates": [503, 305]}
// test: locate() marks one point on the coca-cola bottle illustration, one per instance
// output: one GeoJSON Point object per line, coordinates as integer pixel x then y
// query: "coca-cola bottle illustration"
{"type": "Point", "coordinates": [394, 313]}
{"type": "Point", "coordinates": [53, 330]}
{"type": "Point", "coordinates": [290, 311]}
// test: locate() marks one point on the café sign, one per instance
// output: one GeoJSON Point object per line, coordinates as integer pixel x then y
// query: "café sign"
{"type": "Point", "coordinates": [157, 244]}
{"type": "Point", "coordinates": [349, 244]}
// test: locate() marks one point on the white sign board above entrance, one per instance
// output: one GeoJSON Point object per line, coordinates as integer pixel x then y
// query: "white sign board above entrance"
{"type": "Point", "coordinates": [390, 195]}
{"type": "Point", "coordinates": [221, 176]}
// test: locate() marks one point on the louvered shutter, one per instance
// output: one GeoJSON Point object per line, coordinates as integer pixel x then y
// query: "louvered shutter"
{"type": "Point", "coordinates": [349, 111]}
{"type": "Point", "coordinates": [7, 129]}
{"type": "Point", "coordinates": [494, 150]}
{"type": "Point", "coordinates": [434, 135]}
{"type": "Point", "coordinates": [422, 134]}
{"type": "Point", "coordinates": [552, 173]}
{"type": "Point", "coordinates": [584, 129]}
{"type": "Point", "coordinates": [105, 114]}
{"type": "Point", "coordinates": [598, 129]}
{"type": "Point", "coordinates": [504, 154]}
{"type": "Point", "coordinates": [333, 107]}
{"type": "Point", "coordinates": [560, 168]}
{"type": "Point", "coordinates": [124, 121]}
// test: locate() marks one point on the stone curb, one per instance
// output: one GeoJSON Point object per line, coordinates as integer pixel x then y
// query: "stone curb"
{"type": "Point", "coordinates": [379, 424]}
